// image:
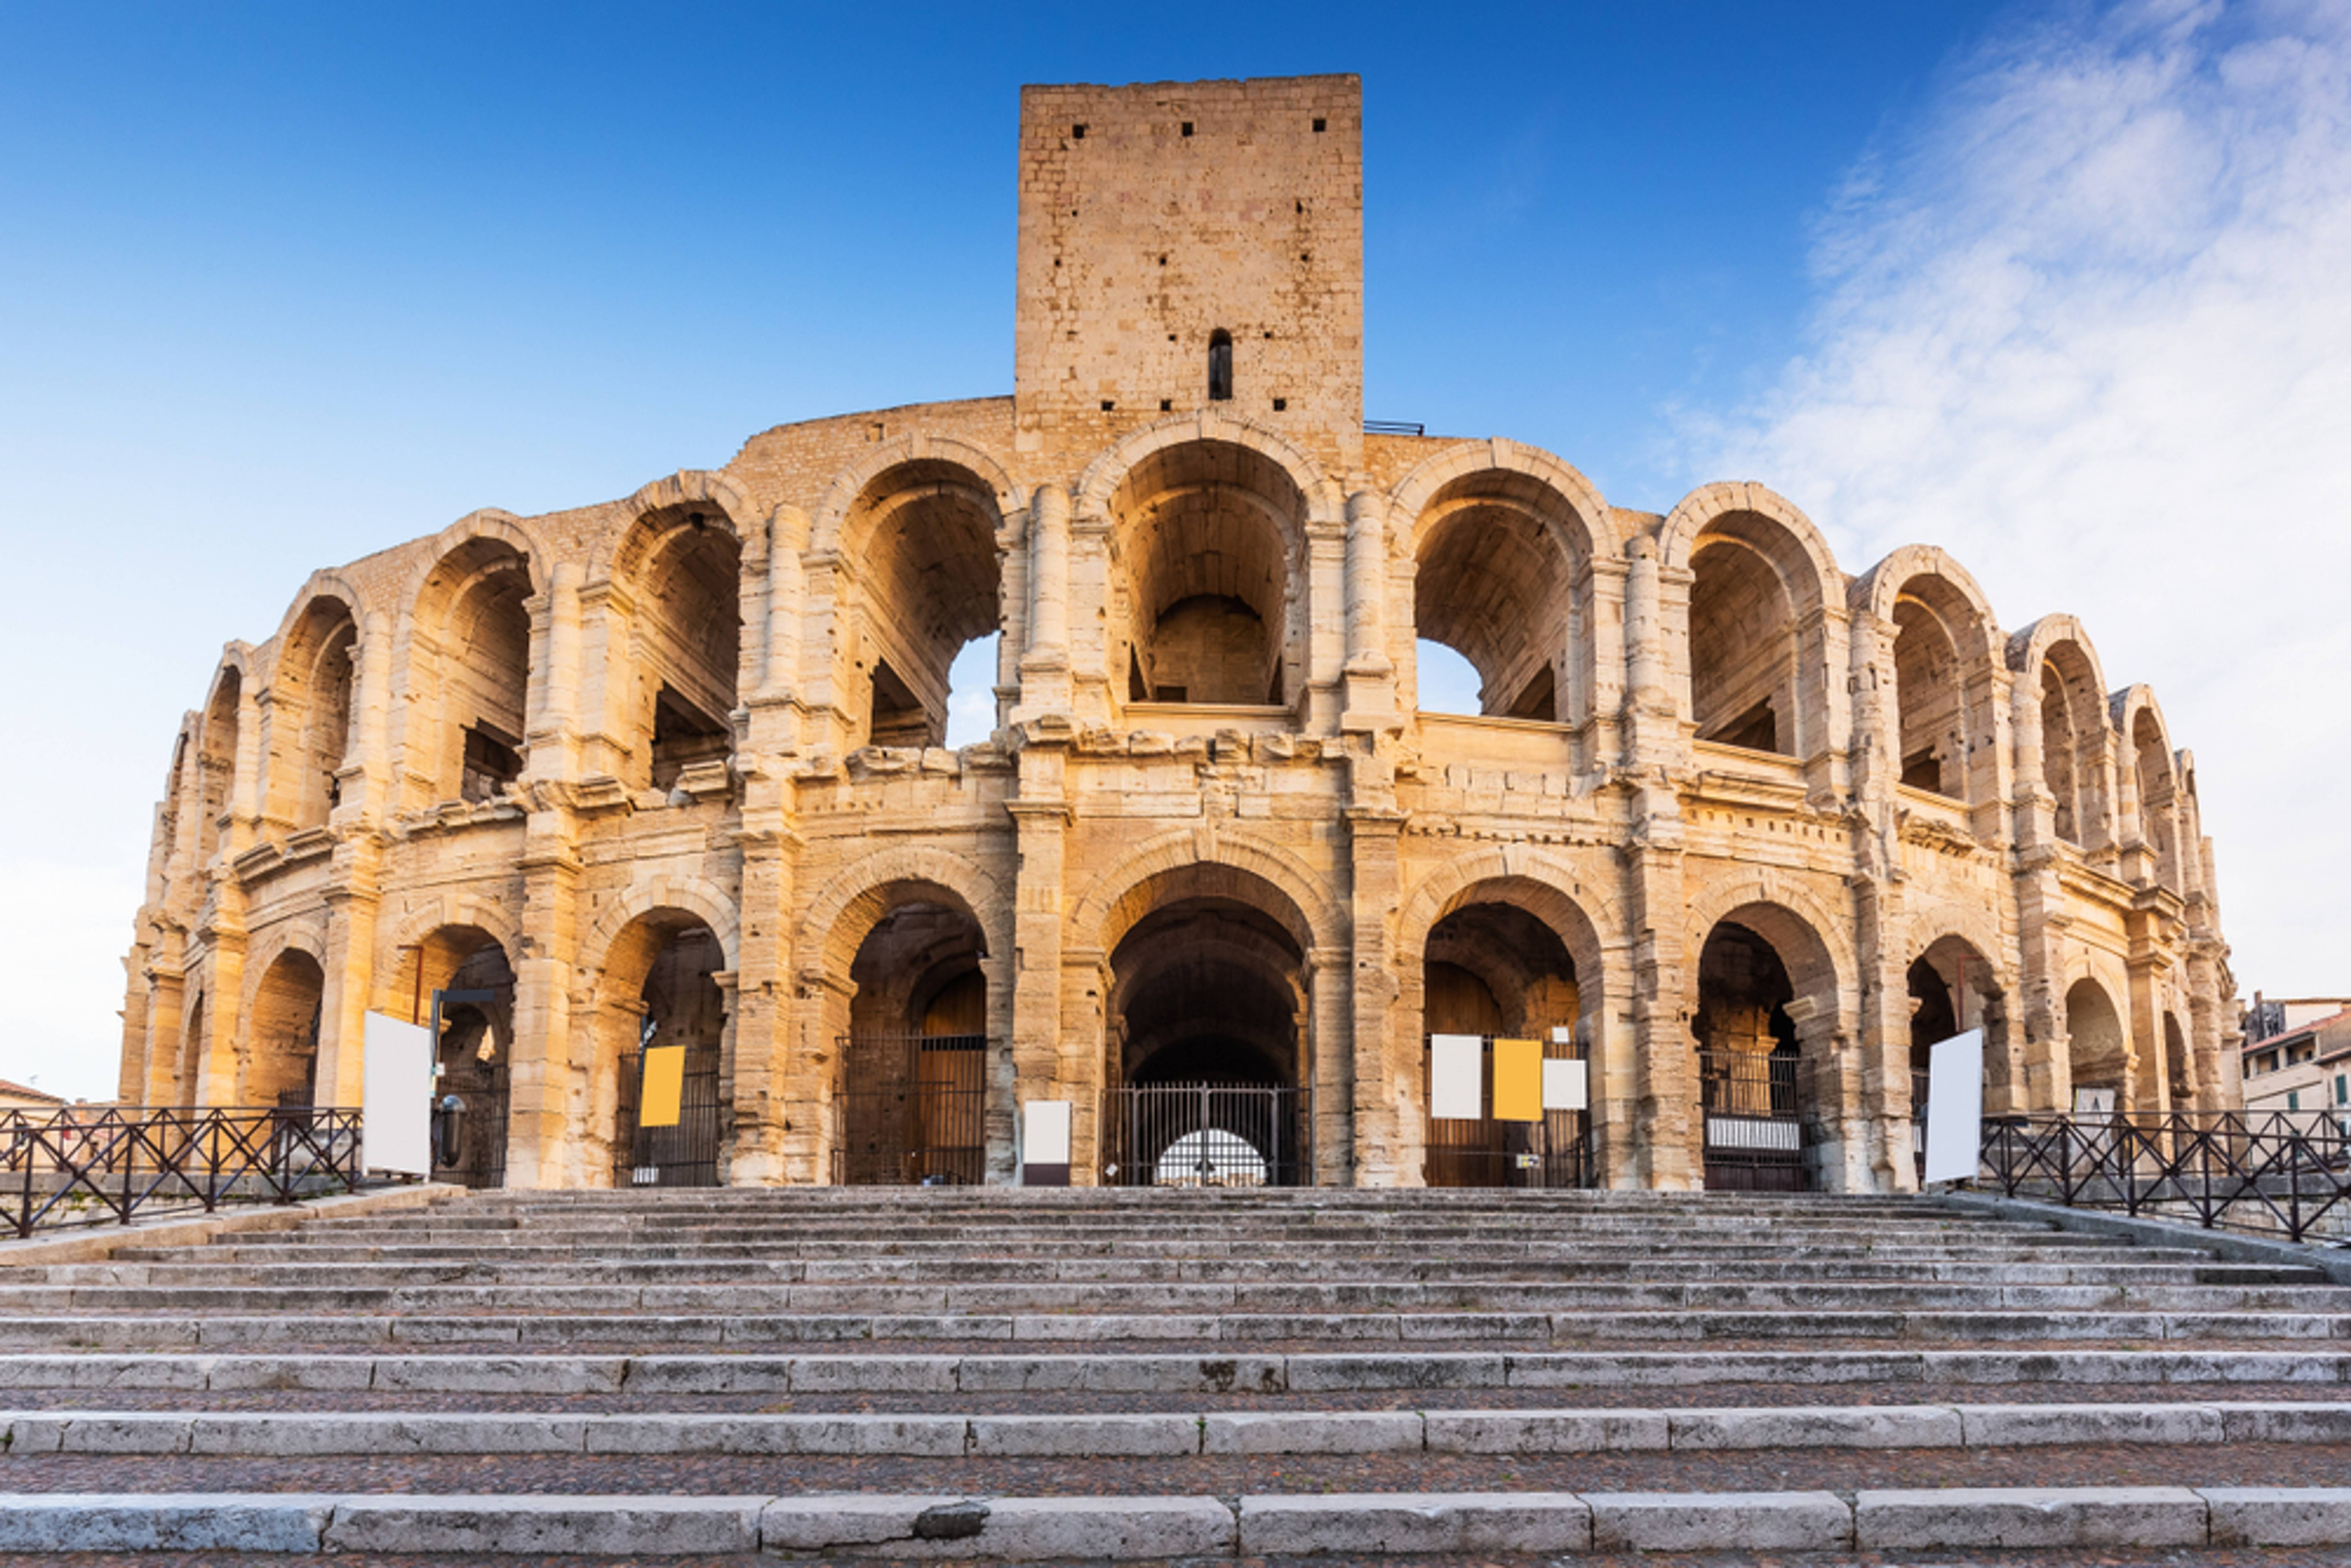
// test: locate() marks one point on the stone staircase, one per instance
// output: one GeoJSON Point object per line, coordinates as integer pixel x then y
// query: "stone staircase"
{"type": "Point", "coordinates": [990, 1373]}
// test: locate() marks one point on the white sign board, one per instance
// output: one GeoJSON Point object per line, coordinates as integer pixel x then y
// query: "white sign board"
{"type": "Point", "coordinates": [396, 1097]}
{"type": "Point", "coordinates": [1456, 1077]}
{"type": "Point", "coordinates": [1045, 1133]}
{"type": "Point", "coordinates": [2098, 1102]}
{"type": "Point", "coordinates": [1565, 1086]}
{"type": "Point", "coordinates": [1954, 1107]}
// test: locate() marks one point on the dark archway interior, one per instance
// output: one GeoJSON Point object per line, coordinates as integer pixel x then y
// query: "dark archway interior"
{"type": "Point", "coordinates": [1208, 990]}
{"type": "Point", "coordinates": [475, 1058]}
{"type": "Point", "coordinates": [1495, 971]}
{"type": "Point", "coordinates": [1747, 1042]}
{"type": "Point", "coordinates": [914, 1067]}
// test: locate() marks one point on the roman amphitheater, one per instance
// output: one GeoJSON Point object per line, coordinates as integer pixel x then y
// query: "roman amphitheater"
{"type": "Point", "coordinates": [1738, 830]}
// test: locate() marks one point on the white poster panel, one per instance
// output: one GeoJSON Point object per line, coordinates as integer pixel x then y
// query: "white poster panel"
{"type": "Point", "coordinates": [396, 1097]}
{"type": "Point", "coordinates": [1954, 1107]}
{"type": "Point", "coordinates": [1045, 1133]}
{"type": "Point", "coordinates": [2098, 1102]}
{"type": "Point", "coordinates": [1565, 1086]}
{"type": "Point", "coordinates": [1457, 1073]}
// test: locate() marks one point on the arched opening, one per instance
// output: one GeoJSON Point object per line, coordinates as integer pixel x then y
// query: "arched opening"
{"type": "Point", "coordinates": [1928, 690]}
{"type": "Point", "coordinates": [463, 972]}
{"type": "Point", "coordinates": [1498, 982]}
{"type": "Point", "coordinates": [1742, 646]}
{"type": "Point", "coordinates": [1759, 966]}
{"type": "Point", "coordinates": [663, 1022]}
{"type": "Point", "coordinates": [2098, 1050]}
{"type": "Point", "coordinates": [2073, 751]}
{"type": "Point", "coordinates": [1495, 582]}
{"type": "Point", "coordinates": [191, 1078]}
{"type": "Point", "coordinates": [924, 534]}
{"type": "Point", "coordinates": [472, 608]}
{"type": "Point", "coordinates": [1205, 615]}
{"type": "Point", "coordinates": [1207, 1030]}
{"type": "Point", "coordinates": [1952, 989]}
{"type": "Point", "coordinates": [311, 701]}
{"type": "Point", "coordinates": [281, 1058]}
{"type": "Point", "coordinates": [686, 569]}
{"type": "Point", "coordinates": [910, 1098]}
{"type": "Point", "coordinates": [2179, 1067]}
{"type": "Point", "coordinates": [2157, 818]}
{"type": "Point", "coordinates": [216, 765]}
{"type": "Point", "coordinates": [1221, 366]}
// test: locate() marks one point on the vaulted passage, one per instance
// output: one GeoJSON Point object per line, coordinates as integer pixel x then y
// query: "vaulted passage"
{"type": "Point", "coordinates": [924, 536]}
{"type": "Point", "coordinates": [1928, 690]}
{"type": "Point", "coordinates": [2099, 1050]}
{"type": "Point", "coordinates": [1493, 972]}
{"type": "Point", "coordinates": [1205, 537]}
{"type": "Point", "coordinates": [658, 996]}
{"type": "Point", "coordinates": [1207, 1025]}
{"type": "Point", "coordinates": [470, 698]}
{"type": "Point", "coordinates": [1742, 647]}
{"type": "Point", "coordinates": [465, 970]}
{"type": "Point", "coordinates": [1750, 1077]}
{"type": "Point", "coordinates": [310, 715]}
{"type": "Point", "coordinates": [1495, 584]}
{"type": "Point", "coordinates": [685, 567]}
{"type": "Point", "coordinates": [280, 1055]}
{"type": "Point", "coordinates": [911, 1098]}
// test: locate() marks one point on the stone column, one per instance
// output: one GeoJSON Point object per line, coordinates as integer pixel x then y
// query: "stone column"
{"type": "Point", "coordinates": [1881, 1137]}
{"type": "Point", "coordinates": [1329, 1036]}
{"type": "Point", "coordinates": [1045, 673]}
{"type": "Point", "coordinates": [753, 1084]}
{"type": "Point", "coordinates": [1042, 821]}
{"type": "Point", "coordinates": [1371, 698]}
{"type": "Point", "coordinates": [353, 899]}
{"type": "Point", "coordinates": [539, 1073]}
{"type": "Point", "coordinates": [553, 732]}
{"type": "Point", "coordinates": [1377, 1124]}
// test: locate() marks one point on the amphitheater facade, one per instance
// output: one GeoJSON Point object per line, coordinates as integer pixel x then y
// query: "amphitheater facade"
{"type": "Point", "coordinates": [1738, 830]}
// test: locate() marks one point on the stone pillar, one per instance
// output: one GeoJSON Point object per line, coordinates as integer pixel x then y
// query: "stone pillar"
{"type": "Point", "coordinates": [752, 1083]}
{"type": "Point", "coordinates": [1330, 1036]}
{"type": "Point", "coordinates": [1045, 671]}
{"type": "Point", "coordinates": [1083, 1071]}
{"type": "Point", "coordinates": [2040, 916]}
{"type": "Point", "coordinates": [1370, 673]}
{"type": "Point", "coordinates": [216, 1075]}
{"type": "Point", "coordinates": [1880, 1139]}
{"type": "Point", "coordinates": [552, 731]}
{"type": "Point", "coordinates": [1652, 707]}
{"type": "Point", "coordinates": [539, 1073]}
{"type": "Point", "coordinates": [1830, 1086]}
{"type": "Point", "coordinates": [246, 800]}
{"type": "Point", "coordinates": [1598, 691]}
{"type": "Point", "coordinates": [353, 900]}
{"type": "Point", "coordinates": [1667, 1127]}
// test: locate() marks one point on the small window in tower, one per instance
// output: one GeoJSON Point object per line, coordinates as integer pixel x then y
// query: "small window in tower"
{"type": "Point", "coordinates": [1319, 125]}
{"type": "Point", "coordinates": [1187, 128]}
{"type": "Point", "coordinates": [1078, 132]}
{"type": "Point", "coordinates": [1280, 403]}
{"type": "Point", "coordinates": [1166, 405]}
{"type": "Point", "coordinates": [1108, 405]}
{"type": "Point", "coordinates": [1221, 366]}
{"type": "Point", "coordinates": [1163, 261]}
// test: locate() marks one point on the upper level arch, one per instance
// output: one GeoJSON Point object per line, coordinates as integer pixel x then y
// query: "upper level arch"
{"type": "Point", "coordinates": [312, 688]}
{"type": "Point", "coordinates": [2146, 741]}
{"type": "Point", "coordinates": [833, 521]}
{"type": "Point", "coordinates": [2053, 656]}
{"type": "Point", "coordinates": [1761, 585]}
{"type": "Point", "coordinates": [1207, 600]}
{"type": "Point", "coordinates": [1503, 539]}
{"type": "Point", "coordinates": [470, 671]}
{"type": "Point", "coordinates": [922, 547]}
{"type": "Point", "coordinates": [1945, 645]}
{"type": "Point", "coordinates": [678, 570]}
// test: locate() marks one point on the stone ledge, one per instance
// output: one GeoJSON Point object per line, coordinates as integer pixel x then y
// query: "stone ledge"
{"type": "Point", "coordinates": [2229, 1245]}
{"type": "Point", "coordinates": [99, 1242]}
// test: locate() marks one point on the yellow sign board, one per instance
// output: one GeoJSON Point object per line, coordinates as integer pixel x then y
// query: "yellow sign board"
{"type": "Point", "coordinates": [1517, 1080]}
{"type": "Point", "coordinates": [659, 1105]}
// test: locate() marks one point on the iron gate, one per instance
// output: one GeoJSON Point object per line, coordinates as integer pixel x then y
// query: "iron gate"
{"type": "Point", "coordinates": [1754, 1130]}
{"type": "Point", "coordinates": [1463, 1152]}
{"type": "Point", "coordinates": [683, 1155]}
{"type": "Point", "coordinates": [915, 1113]}
{"type": "Point", "coordinates": [1206, 1134]}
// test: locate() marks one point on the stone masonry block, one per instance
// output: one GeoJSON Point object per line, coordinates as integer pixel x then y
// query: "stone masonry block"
{"type": "Point", "coordinates": [1718, 1521]}
{"type": "Point", "coordinates": [1435, 1522]}
{"type": "Point", "coordinates": [1989, 1518]}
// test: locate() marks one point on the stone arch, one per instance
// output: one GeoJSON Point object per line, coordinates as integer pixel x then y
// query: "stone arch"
{"type": "Point", "coordinates": [2098, 1037]}
{"type": "Point", "coordinates": [1110, 469]}
{"type": "Point", "coordinates": [922, 551]}
{"type": "Point", "coordinates": [1827, 956]}
{"type": "Point", "coordinates": [1766, 999]}
{"type": "Point", "coordinates": [2147, 751]}
{"type": "Point", "coordinates": [703, 900]}
{"type": "Point", "coordinates": [1762, 587]}
{"type": "Point", "coordinates": [306, 936]}
{"type": "Point", "coordinates": [2056, 659]}
{"type": "Point", "coordinates": [1939, 938]}
{"type": "Point", "coordinates": [484, 911]}
{"type": "Point", "coordinates": [466, 683]}
{"type": "Point", "coordinates": [856, 898]}
{"type": "Point", "coordinates": [1123, 893]}
{"type": "Point", "coordinates": [621, 554]}
{"type": "Point", "coordinates": [279, 1025]}
{"type": "Point", "coordinates": [1545, 885]}
{"type": "Point", "coordinates": [313, 691]}
{"type": "Point", "coordinates": [832, 516]}
{"type": "Point", "coordinates": [1942, 649]}
{"type": "Point", "coordinates": [1501, 540]}
{"type": "Point", "coordinates": [674, 633]}
{"type": "Point", "coordinates": [320, 585]}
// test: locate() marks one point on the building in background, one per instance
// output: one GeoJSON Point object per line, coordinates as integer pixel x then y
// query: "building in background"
{"type": "Point", "coordinates": [1741, 833]}
{"type": "Point", "coordinates": [2297, 1055]}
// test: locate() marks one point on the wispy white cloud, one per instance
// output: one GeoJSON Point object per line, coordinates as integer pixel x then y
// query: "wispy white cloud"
{"type": "Point", "coordinates": [2087, 325]}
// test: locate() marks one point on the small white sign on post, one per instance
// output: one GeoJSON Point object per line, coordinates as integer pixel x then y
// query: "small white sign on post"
{"type": "Point", "coordinates": [1954, 1107]}
{"type": "Point", "coordinates": [396, 1097]}
{"type": "Point", "coordinates": [1045, 1143]}
{"type": "Point", "coordinates": [1457, 1080]}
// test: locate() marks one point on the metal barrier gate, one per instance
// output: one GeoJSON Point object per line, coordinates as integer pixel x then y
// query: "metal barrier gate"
{"type": "Point", "coordinates": [1754, 1130]}
{"type": "Point", "coordinates": [1459, 1151]}
{"type": "Point", "coordinates": [1206, 1134]}
{"type": "Point", "coordinates": [915, 1113]}
{"type": "Point", "coordinates": [683, 1156]}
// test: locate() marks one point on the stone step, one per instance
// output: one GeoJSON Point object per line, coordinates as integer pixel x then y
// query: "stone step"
{"type": "Point", "coordinates": [1302, 1374]}
{"type": "Point", "coordinates": [1174, 1435]}
{"type": "Point", "coordinates": [495, 1270]}
{"type": "Point", "coordinates": [150, 1330]}
{"type": "Point", "coordinates": [1153, 1298]}
{"type": "Point", "coordinates": [1129, 1528]}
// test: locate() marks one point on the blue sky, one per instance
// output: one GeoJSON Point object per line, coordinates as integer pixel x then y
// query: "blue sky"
{"type": "Point", "coordinates": [282, 285]}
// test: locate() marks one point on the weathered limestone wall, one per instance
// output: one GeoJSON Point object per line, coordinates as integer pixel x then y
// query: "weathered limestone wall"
{"type": "Point", "coordinates": [639, 735]}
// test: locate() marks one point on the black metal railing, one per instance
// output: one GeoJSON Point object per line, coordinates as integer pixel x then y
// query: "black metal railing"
{"type": "Point", "coordinates": [1394, 427]}
{"type": "Point", "coordinates": [1754, 1135]}
{"type": "Point", "coordinates": [1206, 1134]}
{"type": "Point", "coordinates": [2279, 1173]}
{"type": "Point", "coordinates": [1488, 1152]}
{"type": "Point", "coordinates": [112, 1164]}
{"type": "Point", "coordinates": [914, 1112]}
{"type": "Point", "coordinates": [682, 1153]}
